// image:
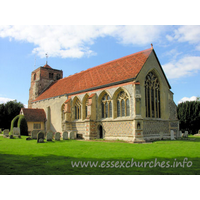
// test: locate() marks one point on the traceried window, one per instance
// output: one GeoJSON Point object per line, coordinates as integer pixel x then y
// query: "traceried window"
{"type": "Point", "coordinates": [123, 107]}
{"type": "Point", "coordinates": [106, 106]}
{"type": "Point", "coordinates": [77, 109]}
{"type": "Point", "coordinates": [152, 96]}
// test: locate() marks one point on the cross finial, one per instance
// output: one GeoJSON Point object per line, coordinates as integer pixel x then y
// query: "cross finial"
{"type": "Point", "coordinates": [46, 58]}
{"type": "Point", "coordinates": [151, 46]}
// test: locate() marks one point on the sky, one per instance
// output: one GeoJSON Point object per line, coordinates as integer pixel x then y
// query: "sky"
{"type": "Point", "coordinates": [73, 48]}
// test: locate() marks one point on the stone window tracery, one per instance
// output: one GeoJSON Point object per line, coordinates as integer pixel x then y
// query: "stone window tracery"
{"type": "Point", "coordinates": [106, 106]}
{"type": "Point", "coordinates": [152, 96]}
{"type": "Point", "coordinates": [123, 106]}
{"type": "Point", "coordinates": [77, 109]}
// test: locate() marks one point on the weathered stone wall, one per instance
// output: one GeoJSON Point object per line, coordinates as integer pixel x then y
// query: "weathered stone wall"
{"type": "Point", "coordinates": [79, 127]}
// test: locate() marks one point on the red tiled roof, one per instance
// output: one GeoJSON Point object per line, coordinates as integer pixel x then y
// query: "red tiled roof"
{"type": "Point", "coordinates": [117, 70]}
{"type": "Point", "coordinates": [33, 115]}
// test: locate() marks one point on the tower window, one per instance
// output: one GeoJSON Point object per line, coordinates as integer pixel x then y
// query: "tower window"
{"type": "Point", "coordinates": [58, 76]}
{"type": "Point", "coordinates": [51, 75]}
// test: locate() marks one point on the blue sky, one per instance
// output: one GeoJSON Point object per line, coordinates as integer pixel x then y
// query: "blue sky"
{"type": "Point", "coordinates": [76, 48]}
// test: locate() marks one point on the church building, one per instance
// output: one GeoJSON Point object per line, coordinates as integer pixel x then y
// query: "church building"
{"type": "Point", "coordinates": [127, 99]}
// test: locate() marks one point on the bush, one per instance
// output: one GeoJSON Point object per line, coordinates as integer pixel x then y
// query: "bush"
{"type": "Point", "coordinates": [14, 124]}
{"type": "Point", "coordinates": [22, 124]}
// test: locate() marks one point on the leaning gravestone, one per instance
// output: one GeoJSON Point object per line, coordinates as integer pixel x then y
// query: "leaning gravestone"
{"type": "Point", "coordinates": [65, 135]}
{"type": "Point", "coordinates": [16, 132]}
{"type": "Point", "coordinates": [57, 136]}
{"type": "Point", "coordinates": [40, 137]}
{"type": "Point", "coordinates": [34, 134]}
{"type": "Point", "coordinates": [49, 136]}
{"type": "Point", "coordinates": [71, 135]}
{"type": "Point", "coordinates": [172, 135]}
{"type": "Point", "coordinates": [6, 133]}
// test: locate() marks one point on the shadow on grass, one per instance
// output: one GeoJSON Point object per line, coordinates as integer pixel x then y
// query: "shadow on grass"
{"type": "Point", "coordinates": [61, 165]}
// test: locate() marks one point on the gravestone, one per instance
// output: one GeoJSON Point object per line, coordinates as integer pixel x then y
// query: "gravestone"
{"type": "Point", "coordinates": [16, 132]}
{"type": "Point", "coordinates": [65, 135]}
{"type": "Point", "coordinates": [71, 135]}
{"type": "Point", "coordinates": [49, 135]}
{"type": "Point", "coordinates": [34, 134]}
{"type": "Point", "coordinates": [186, 134]}
{"type": "Point", "coordinates": [181, 134]}
{"type": "Point", "coordinates": [40, 137]}
{"type": "Point", "coordinates": [6, 133]}
{"type": "Point", "coordinates": [161, 135]}
{"type": "Point", "coordinates": [57, 136]}
{"type": "Point", "coordinates": [172, 135]}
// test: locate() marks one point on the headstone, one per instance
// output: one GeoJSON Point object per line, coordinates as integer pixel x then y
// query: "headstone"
{"type": "Point", "coordinates": [34, 134]}
{"type": "Point", "coordinates": [186, 134]}
{"type": "Point", "coordinates": [49, 135]}
{"type": "Point", "coordinates": [71, 135]}
{"type": "Point", "coordinates": [181, 134]}
{"type": "Point", "coordinates": [172, 135]}
{"type": "Point", "coordinates": [65, 135]}
{"type": "Point", "coordinates": [161, 135]}
{"type": "Point", "coordinates": [6, 133]}
{"type": "Point", "coordinates": [40, 137]}
{"type": "Point", "coordinates": [57, 136]}
{"type": "Point", "coordinates": [16, 132]}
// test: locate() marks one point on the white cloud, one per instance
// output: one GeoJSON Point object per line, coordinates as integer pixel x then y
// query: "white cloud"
{"type": "Point", "coordinates": [186, 66]}
{"type": "Point", "coordinates": [75, 41]}
{"type": "Point", "coordinates": [184, 99]}
{"type": "Point", "coordinates": [4, 100]}
{"type": "Point", "coordinates": [187, 33]}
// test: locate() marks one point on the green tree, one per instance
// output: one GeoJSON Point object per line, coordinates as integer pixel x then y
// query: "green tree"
{"type": "Point", "coordinates": [189, 116]}
{"type": "Point", "coordinates": [8, 111]}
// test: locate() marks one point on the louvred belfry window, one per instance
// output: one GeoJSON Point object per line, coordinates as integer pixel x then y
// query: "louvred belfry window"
{"type": "Point", "coordinates": [152, 96]}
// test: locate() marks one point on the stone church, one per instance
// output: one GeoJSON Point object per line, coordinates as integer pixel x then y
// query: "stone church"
{"type": "Point", "coordinates": [127, 99]}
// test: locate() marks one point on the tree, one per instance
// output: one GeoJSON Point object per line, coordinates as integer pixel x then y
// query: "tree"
{"type": "Point", "coordinates": [8, 111]}
{"type": "Point", "coordinates": [189, 116]}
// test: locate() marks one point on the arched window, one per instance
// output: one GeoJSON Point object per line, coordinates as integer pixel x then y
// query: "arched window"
{"type": "Point", "coordinates": [106, 106]}
{"type": "Point", "coordinates": [86, 108]}
{"type": "Point", "coordinates": [77, 109]}
{"type": "Point", "coordinates": [123, 107]}
{"type": "Point", "coordinates": [152, 96]}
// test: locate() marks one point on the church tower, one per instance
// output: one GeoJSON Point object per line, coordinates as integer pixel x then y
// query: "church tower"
{"type": "Point", "coordinates": [41, 79]}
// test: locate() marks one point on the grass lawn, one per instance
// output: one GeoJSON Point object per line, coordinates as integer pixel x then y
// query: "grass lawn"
{"type": "Point", "coordinates": [18, 156]}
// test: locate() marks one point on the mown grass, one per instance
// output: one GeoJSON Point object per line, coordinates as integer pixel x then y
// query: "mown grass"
{"type": "Point", "coordinates": [18, 156]}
